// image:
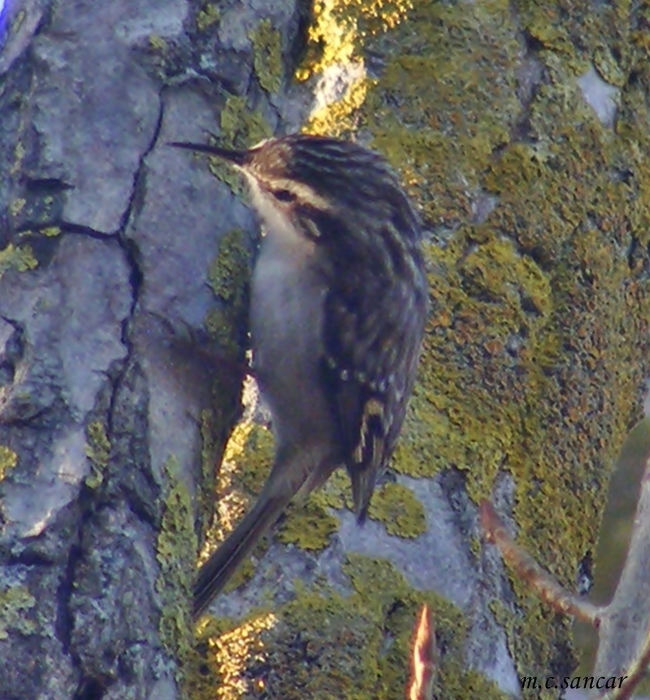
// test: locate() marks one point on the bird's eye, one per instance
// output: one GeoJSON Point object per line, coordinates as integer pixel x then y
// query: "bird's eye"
{"type": "Point", "coordinates": [284, 195]}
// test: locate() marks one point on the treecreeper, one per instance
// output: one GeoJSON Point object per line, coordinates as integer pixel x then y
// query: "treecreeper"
{"type": "Point", "coordinates": [338, 306]}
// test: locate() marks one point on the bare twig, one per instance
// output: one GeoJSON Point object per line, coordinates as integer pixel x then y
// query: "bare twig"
{"type": "Point", "coordinates": [546, 587]}
{"type": "Point", "coordinates": [424, 658]}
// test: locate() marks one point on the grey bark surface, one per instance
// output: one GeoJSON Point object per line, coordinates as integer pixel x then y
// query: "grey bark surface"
{"type": "Point", "coordinates": [100, 332]}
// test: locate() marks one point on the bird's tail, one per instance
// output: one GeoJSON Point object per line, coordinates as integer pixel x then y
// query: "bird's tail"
{"type": "Point", "coordinates": [216, 572]}
{"type": "Point", "coordinates": [363, 486]}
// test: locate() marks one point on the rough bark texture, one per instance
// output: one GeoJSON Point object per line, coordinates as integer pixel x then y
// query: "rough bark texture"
{"type": "Point", "coordinates": [520, 129]}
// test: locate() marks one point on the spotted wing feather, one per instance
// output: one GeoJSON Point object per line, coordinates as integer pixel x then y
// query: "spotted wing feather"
{"type": "Point", "coordinates": [372, 333]}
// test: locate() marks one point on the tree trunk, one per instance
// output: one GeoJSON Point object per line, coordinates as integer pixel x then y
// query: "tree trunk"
{"type": "Point", "coordinates": [521, 131]}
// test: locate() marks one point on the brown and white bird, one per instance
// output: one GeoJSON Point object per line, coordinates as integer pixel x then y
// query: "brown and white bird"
{"type": "Point", "coordinates": [338, 306]}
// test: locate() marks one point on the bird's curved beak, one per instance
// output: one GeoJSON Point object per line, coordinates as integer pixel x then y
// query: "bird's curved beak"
{"type": "Point", "coordinates": [237, 157]}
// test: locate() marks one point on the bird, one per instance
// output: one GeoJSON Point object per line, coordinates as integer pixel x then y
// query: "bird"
{"type": "Point", "coordinates": [338, 306]}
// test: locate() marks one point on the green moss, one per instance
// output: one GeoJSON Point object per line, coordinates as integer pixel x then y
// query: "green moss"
{"type": "Point", "coordinates": [8, 460]}
{"type": "Point", "coordinates": [19, 258]}
{"type": "Point", "coordinates": [15, 602]}
{"type": "Point", "coordinates": [207, 17]}
{"type": "Point", "coordinates": [397, 507]}
{"type": "Point", "coordinates": [267, 56]}
{"type": "Point", "coordinates": [98, 451]}
{"type": "Point", "coordinates": [176, 548]}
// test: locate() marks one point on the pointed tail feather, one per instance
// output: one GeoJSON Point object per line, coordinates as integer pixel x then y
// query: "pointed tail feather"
{"type": "Point", "coordinates": [363, 485]}
{"type": "Point", "coordinates": [216, 572]}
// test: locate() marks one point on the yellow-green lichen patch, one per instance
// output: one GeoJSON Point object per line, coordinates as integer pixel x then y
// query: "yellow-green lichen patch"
{"type": "Point", "coordinates": [241, 127]}
{"type": "Point", "coordinates": [15, 602]}
{"type": "Point", "coordinates": [336, 492]}
{"type": "Point", "coordinates": [19, 258]}
{"type": "Point", "coordinates": [157, 43]}
{"type": "Point", "coordinates": [267, 56]}
{"type": "Point", "coordinates": [336, 39]}
{"type": "Point", "coordinates": [332, 38]}
{"type": "Point", "coordinates": [229, 278]}
{"type": "Point", "coordinates": [308, 526]}
{"type": "Point", "coordinates": [218, 324]}
{"type": "Point", "coordinates": [445, 98]}
{"type": "Point", "coordinates": [18, 22]}
{"type": "Point", "coordinates": [218, 665]}
{"type": "Point", "coordinates": [528, 325]}
{"type": "Point", "coordinates": [524, 643]}
{"type": "Point", "coordinates": [339, 27]}
{"type": "Point", "coordinates": [381, 588]}
{"type": "Point", "coordinates": [209, 456]}
{"type": "Point", "coordinates": [534, 343]}
{"type": "Point", "coordinates": [19, 156]}
{"type": "Point", "coordinates": [208, 16]}
{"type": "Point", "coordinates": [325, 645]}
{"type": "Point", "coordinates": [50, 231]}
{"type": "Point", "coordinates": [98, 451]}
{"type": "Point", "coordinates": [480, 300]}
{"type": "Point", "coordinates": [581, 34]}
{"type": "Point", "coordinates": [497, 272]}
{"type": "Point", "coordinates": [311, 525]}
{"type": "Point", "coordinates": [176, 548]}
{"type": "Point", "coordinates": [398, 508]}
{"type": "Point", "coordinates": [338, 663]}
{"type": "Point", "coordinates": [246, 463]}
{"type": "Point", "coordinates": [16, 206]}
{"type": "Point", "coordinates": [230, 271]}
{"type": "Point", "coordinates": [250, 455]}
{"type": "Point", "coordinates": [8, 460]}
{"type": "Point", "coordinates": [446, 101]}
{"type": "Point", "coordinates": [567, 211]}
{"type": "Point", "coordinates": [245, 466]}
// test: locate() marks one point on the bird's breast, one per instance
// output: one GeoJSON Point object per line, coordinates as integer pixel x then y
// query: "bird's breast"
{"type": "Point", "coordinates": [287, 304]}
